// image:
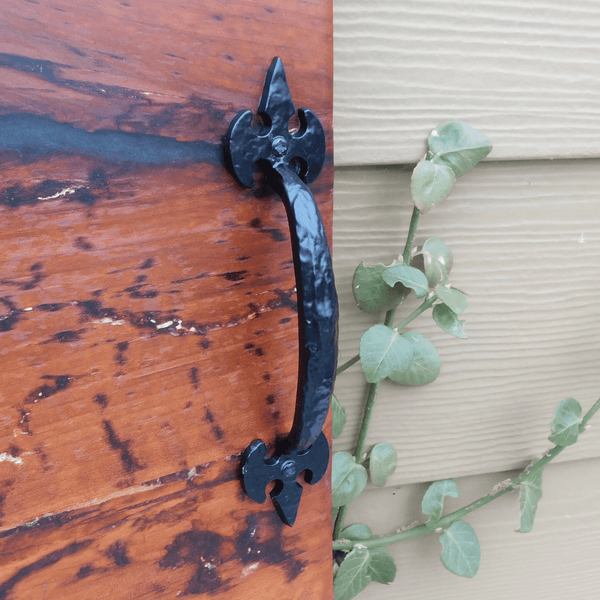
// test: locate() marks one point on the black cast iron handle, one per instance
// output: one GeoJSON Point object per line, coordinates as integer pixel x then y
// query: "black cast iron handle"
{"type": "Point", "coordinates": [290, 161]}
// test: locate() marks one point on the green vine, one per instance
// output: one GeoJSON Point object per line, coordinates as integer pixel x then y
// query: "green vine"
{"type": "Point", "coordinates": [409, 358]}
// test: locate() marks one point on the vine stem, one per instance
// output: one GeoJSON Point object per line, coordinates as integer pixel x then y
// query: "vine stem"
{"type": "Point", "coordinates": [374, 387]}
{"type": "Point", "coordinates": [450, 518]}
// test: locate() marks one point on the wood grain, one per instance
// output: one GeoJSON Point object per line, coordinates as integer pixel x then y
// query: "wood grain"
{"type": "Point", "coordinates": [183, 535]}
{"type": "Point", "coordinates": [558, 559]}
{"type": "Point", "coordinates": [147, 303]}
{"type": "Point", "coordinates": [526, 74]}
{"type": "Point", "coordinates": [526, 241]}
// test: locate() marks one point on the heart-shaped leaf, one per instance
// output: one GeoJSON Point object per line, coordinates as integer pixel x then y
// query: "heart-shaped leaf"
{"type": "Point", "coordinates": [353, 575]}
{"type": "Point", "coordinates": [382, 461]}
{"type": "Point", "coordinates": [358, 532]}
{"type": "Point", "coordinates": [409, 276]}
{"type": "Point", "coordinates": [338, 416]}
{"type": "Point", "coordinates": [531, 494]}
{"type": "Point", "coordinates": [461, 551]}
{"type": "Point", "coordinates": [425, 365]}
{"type": "Point", "coordinates": [433, 500]}
{"type": "Point", "coordinates": [430, 184]}
{"type": "Point", "coordinates": [382, 567]}
{"type": "Point", "coordinates": [458, 146]}
{"type": "Point", "coordinates": [348, 479]}
{"type": "Point", "coordinates": [384, 353]}
{"type": "Point", "coordinates": [566, 425]}
{"type": "Point", "coordinates": [448, 320]}
{"type": "Point", "coordinates": [454, 299]}
{"type": "Point", "coordinates": [372, 293]}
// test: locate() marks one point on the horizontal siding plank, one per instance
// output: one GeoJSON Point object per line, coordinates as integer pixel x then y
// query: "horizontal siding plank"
{"type": "Point", "coordinates": [526, 243]}
{"type": "Point", "coordinates": [558, 559]}
{"type": "Point", "coordinates": [525, 73]}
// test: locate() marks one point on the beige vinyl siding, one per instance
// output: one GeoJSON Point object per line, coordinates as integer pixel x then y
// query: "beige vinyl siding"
{"type": "Point", "coordinates": [524, 228]}
{"type": "Point", "coordinates": [526, 73]}
{"type": "Point", "coordinates": [525, 238]}
{"type": "Point", "coordinates": [558, 560]}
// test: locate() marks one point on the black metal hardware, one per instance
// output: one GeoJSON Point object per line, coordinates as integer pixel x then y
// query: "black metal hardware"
{"type": "Point", "coordinates": [290, 161]}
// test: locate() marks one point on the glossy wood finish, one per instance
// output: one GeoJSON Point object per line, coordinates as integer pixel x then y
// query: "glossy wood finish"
{"type": "Point", "coordinates": [147, 306]}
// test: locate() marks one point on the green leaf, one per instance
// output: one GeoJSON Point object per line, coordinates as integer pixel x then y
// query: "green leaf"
{"type": "Point", "coordinates": [437, 261]}
{"type": "Point", "coordinates": [384, 353]}
{"type": "Point", "coordinates": [348, 479]}
{"type": "Point", "coordinates": [338, 416]}
{"type": "Point", "coordinates": [458, 146]}
{"type": "Point", "coordinates": [382, 567]}
{"type": "Point", "coordinates": [430, 184]}
{"type": "Point", "coordinates": [371, 293]}
{"type": "Point", "coordinates": [409, 276]}
{"type": "Point", "coordinates": [433, 500]}
{"type": "Point", "coordinates": [454, 299]}
{"type": "Point", "coordinates": [358, 532]}
{"type": "Point", "coordinates": [461, 551]}
{"type": "Point", "coordinates": [425, 365]}
{"type": "Point", "coordinates": [353, 575]}
{"type": "Point", "coordinates": [566, 425]}
{"type": "Point", "coordinates": [448, 320]}
{"type": "Point", "coordinates": [531, 494]}
{"type": "Point", "coordinates": [382, 461]}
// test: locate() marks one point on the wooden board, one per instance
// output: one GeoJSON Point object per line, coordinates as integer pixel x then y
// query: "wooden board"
{"type": "Point", "coordinates": [526, 245]}
{"type": "Point", "coordinates": [185, 534]}
{"type": "Point", "coordinates": [557, 559]}
{"type": "Point", "coordinates": [526, 74]}
{"type": "Point", "coordinates": [147, 302]}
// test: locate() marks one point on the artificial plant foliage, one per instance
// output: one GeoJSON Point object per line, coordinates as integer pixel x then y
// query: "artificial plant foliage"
{"type": "Point", "coordinates": [425, 365]}
{"type": "Point", "coordinates": [358, 531]}
{"type": "Point", "coordinates": [384, 353]}
{"type": "Point", "coordinates": [461, 551]}
{"type": "Point", "coordinates": [458, 146]}
{"type": "Point", "coordinates": [448, 320]}
{"type": "Point", "coordinates": [372, 293]}
{"type": "Point", "coordinates": [338, 417]}
{"type": "Point", "coordinates": [409, 276]}
{"type": "Point", "coordinates": [382, 462]}
{"type": "Point", "coordinates": [388, 350]}
{"type": "Point", "coordinates": [382, 567]}
{"type": "Point", "coordinates": [566, 425]}
{"type": "Point", "coordinates": [353, 575]}
{"type": "Point", "coordinates": [531, 494]}
{"type": "Point", "coordinates": [454, 299]}
{"type": "Point", "coordinates": [430, 184]}
{"type": "Point", "coordinates": [436, 261]}
{"type": "Point", "coordinates": [433, 500]}
{"type": "Point", "coordinates": [348, 478]}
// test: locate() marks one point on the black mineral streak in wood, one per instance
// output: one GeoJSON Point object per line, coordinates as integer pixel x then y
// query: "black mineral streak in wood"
{"type": "Point", "coordinates": [130, 463]}
{"type": "Point", "coordinates": [118, 553]}
{"type": "Point", "coordinates": [84, 571]}
{"type": "Point", "coordinates": [12, 317]}
{"type": "Point", "coordinates": [46, 561]}
{"type": "Point", "coordinates": [214, 427]}
{"type": "Point", "coordinates": [101, 399]}
{"type": "Point", "coordinates": [194, 377]}
{"type": "Point", "coordinates": [199, 548]}
{"type": "Point", "coordinates": [262, 540]}
{"type": "Point", "coordinates": [61, 382]}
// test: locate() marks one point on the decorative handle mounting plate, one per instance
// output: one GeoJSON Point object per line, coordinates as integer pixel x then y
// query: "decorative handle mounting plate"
{"type": "Point", "coordinates": [290, 161]}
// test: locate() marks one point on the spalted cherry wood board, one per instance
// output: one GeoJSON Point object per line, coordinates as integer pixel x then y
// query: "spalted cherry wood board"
{"type": "Point", "coordinates": [184, 535]}
{"type": "Point", "coordinates": [527, 74]}
{"type": "Point", "coordinates": [526, 244]}
{"type": "Point", "coordinates": [557, 559]}
{"type": "Point", "coordinates": [148, 316]}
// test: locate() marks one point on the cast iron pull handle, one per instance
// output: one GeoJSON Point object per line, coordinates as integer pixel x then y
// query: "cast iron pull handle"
{"type": "Point", "coordinates": [290, 161]}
